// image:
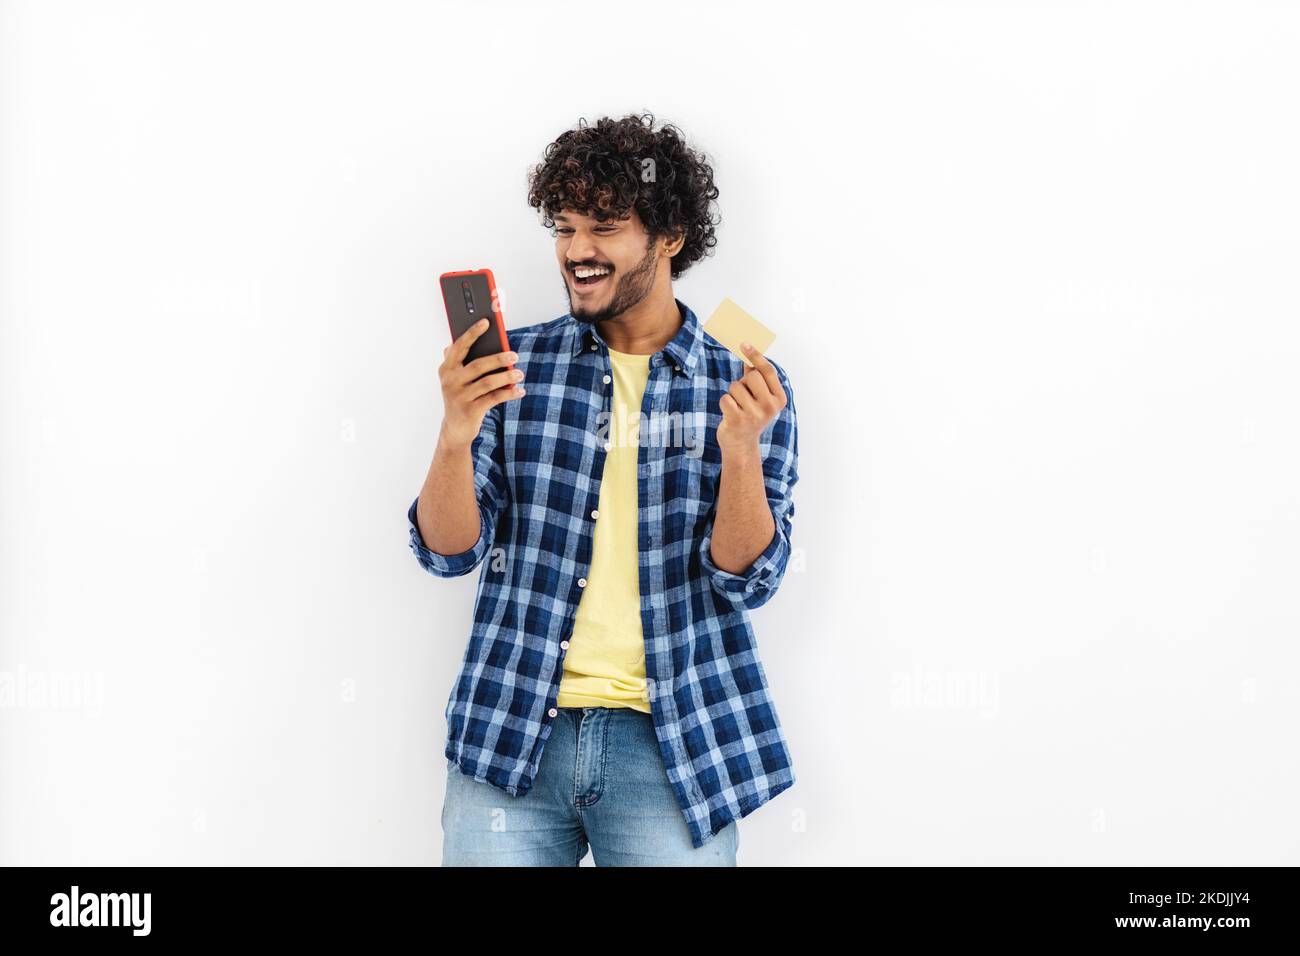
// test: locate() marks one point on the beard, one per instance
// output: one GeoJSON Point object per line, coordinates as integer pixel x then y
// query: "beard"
{"type": "Point", "coordinates": [629, 290]}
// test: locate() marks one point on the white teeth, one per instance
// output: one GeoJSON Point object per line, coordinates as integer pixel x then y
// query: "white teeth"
{"type": "Point", "coordinates": [584, 272]}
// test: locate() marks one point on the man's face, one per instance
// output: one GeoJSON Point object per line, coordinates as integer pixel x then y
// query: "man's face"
{"type": "Point", "coordinates": [620, 247]}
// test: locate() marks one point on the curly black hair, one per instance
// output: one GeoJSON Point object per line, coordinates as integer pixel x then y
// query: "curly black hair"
{"type": "Point", "coordinates": [606, 170]}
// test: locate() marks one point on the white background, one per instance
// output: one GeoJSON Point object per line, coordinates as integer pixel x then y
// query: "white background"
{"type": "Point", "coordinates": [1043, 609]}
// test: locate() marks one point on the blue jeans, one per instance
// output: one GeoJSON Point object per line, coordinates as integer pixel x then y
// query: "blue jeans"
{"type": "Point", "coordinates": [601, 783]}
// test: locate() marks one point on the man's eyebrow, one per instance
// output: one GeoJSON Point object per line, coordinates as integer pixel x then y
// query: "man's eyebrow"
{"type": "Point", "coordinates": [561, 217]}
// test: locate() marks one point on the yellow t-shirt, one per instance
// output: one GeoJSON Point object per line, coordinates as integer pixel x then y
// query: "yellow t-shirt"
{"type": "Point", "coordinates": [604, 665]}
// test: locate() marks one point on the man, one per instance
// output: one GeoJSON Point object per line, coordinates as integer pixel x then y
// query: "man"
{"type": "Point", "coordinates": [627, 488]}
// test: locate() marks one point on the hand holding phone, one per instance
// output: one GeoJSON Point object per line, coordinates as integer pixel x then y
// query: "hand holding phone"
{"type": "Point", "coordinates": [478, 368]}
{"type": "Point", "coordinates": [470, 388]}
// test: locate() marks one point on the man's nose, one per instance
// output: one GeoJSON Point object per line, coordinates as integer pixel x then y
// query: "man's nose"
{"type": "Point", "coordinates": [581, 249]}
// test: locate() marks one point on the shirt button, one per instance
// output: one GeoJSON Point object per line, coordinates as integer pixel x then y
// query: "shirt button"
{"type": "Point", "coordinates": [607, 380]}
{"type": "Point", "coordinates": [564, 645]}
{"type": "Point", "coordinates": [593, 348]}
{"type": "Point", "coordinates": [595, 512]}
{"type": "Point", "coordinates": [582, 582]}
{"type": "Point", "coordinates": [552, 711]}
{"type": "Point", "coordinates": [608, 446]}
{"type": "Point", "coordinates": [677, 368]}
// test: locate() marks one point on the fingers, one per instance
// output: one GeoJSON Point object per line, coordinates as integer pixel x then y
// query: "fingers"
{"type": "Point", "coordinates": [751, 390]}
{"type": "Point", "coordinates": [756, 385]}
{"type": "Point", "coordinates": [503, 379]}
{"type": "Point", "coordinates": [497, 396]}
{"type": "Point", "coordinates": [490, 363]}
{"type": "Point", "coordinates": [460, 348]}
{"type": "Point", "coordinates": [758, 393]}
{"type": "Point", "coordinates": [764, 368]}
{"type": "Point", "coordinates": [742, 396]}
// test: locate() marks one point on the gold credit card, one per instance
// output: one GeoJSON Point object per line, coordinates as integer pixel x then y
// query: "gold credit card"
{"type": "Point", "coordinates": [731, 325]}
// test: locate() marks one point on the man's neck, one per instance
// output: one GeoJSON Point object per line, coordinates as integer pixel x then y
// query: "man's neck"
{"type": "Point", "coordinates": [646, 327]}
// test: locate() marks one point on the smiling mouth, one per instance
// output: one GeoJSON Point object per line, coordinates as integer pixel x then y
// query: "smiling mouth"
{"type": "Point", "coordinates": [588, 278]}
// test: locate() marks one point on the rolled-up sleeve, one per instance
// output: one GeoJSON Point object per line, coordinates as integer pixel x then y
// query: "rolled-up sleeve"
{"type": "Point", "coordinates": [779, 447]}
{"type": "Point", "coordinates": [491, 491]}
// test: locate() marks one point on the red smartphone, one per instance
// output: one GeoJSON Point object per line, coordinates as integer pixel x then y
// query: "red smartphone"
{"type": "Point", "coordinates": [469, 296]}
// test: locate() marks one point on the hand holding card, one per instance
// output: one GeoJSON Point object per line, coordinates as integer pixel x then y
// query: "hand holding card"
{"type": "Point", "coordinates": [755, 398]}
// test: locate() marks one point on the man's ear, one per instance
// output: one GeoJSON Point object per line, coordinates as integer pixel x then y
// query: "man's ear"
{"type": "Point", "coordinates": [675, 245]}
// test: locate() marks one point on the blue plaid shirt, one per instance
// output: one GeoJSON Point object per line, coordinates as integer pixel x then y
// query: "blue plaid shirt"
{"type": "Point", "coordinates": [538, 462]}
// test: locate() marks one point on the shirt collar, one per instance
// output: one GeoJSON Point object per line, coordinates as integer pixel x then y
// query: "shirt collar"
{"type": "Point", "coordinates": [681, 352]}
